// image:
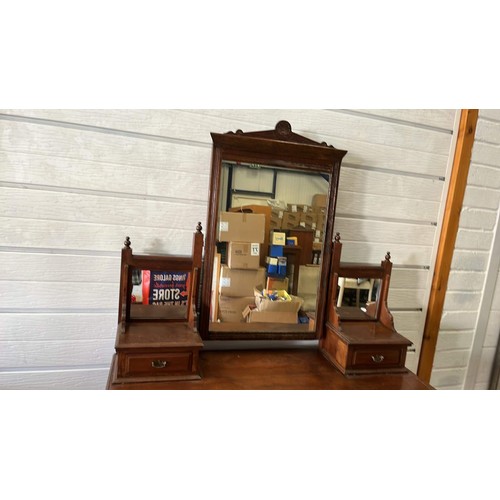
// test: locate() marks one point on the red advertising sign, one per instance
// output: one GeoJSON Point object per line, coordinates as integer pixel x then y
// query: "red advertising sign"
{"type": "Point", "coordinates": [165, 288]}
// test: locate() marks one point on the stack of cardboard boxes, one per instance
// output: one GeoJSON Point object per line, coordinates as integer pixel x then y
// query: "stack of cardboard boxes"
{"type": "Point", "coordinates": [275, 218]}
{"type": "Point", "coordinates": [295, 215]}
{"type": "Point", "coordinates": [243, 280]}
{"type": "Point", "coordinates": [319, 209]}
{"type": "Point", "coordinates": [307, 216]}
{"type": "Point", "coordinates": [244, 234]}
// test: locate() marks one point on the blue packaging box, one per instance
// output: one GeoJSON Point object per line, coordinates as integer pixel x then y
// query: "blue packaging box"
{"type": "Point", "coordinates": [276, 250]}
{"type": "Point", "coordinates": [282, 266]}
{"type": "Point", "coordinates": [272, 265]}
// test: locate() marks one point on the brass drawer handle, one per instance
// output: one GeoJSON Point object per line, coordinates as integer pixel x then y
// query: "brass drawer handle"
{"type": "Point", "coordinates": [158, 363]}
{"type": "Point", "coordinates": [378, 358]}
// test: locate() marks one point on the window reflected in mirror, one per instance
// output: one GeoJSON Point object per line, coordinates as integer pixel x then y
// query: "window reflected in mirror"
{"type": "Point", "coordinates": [269, 244]}
{"type": "Point", "coordinates": [159, 294]}
{"type": "Point", "coordinates": [357, 297]}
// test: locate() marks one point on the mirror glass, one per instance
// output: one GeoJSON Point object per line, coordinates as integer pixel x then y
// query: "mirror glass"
{"type": "Point", "coordinates": [269, 242]}
{"type": "Point", "coordinates": [357, 297]}
{"type": "Point", "coordinates": [159, 294]}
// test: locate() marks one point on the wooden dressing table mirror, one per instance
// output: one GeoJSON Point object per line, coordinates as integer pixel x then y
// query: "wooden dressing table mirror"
{"type": "Point", "coordinates": [265, 294]}
{"type": "Point", "coordinates": [361, 338]}
{"type": "Point", "coordinates": [273, 177]}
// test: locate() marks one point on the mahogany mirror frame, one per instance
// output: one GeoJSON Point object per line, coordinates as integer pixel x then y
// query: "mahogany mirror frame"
{"type": "Point", "coordinates": [280, 148]}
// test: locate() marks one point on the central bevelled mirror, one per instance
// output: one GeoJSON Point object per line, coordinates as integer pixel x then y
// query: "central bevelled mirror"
{"type": "Point", "coordinates": [269, 232]}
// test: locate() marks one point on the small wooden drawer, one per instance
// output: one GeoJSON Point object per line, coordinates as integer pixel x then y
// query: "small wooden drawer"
{"type": "Point", "coordinates": [376, 358]}
{"type": "Point", "coordinates": [157, 364]}
{"type": "Point", "coordinates": [353, 357]}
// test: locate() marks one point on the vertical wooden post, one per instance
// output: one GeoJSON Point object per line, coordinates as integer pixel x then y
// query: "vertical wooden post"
{"type": "Point", "coordinates": [449, 229]}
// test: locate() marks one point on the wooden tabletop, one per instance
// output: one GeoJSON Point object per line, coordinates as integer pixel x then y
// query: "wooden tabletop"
{"type": "Point", "coordinates": [283, 369]}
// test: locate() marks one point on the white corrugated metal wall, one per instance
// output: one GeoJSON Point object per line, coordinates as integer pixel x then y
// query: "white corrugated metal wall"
{"type": "Point", "coordinates": [73, 183]}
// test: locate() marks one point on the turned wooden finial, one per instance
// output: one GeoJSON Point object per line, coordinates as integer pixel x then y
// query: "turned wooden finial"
{"type": "Point", "coordinates": [337, 237]}
{"type": "Point", "coordinates": [127, 242]}
{"type": "Point", "coordinates": [388, 256]}
{"type": "Point", "coordinates": [199, 229]}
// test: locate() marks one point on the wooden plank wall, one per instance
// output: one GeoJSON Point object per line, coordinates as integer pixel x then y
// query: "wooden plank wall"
{"type": "Point", "coordinates": [462, 325]}
{"type": "Point", "coordinates": [74, 183]}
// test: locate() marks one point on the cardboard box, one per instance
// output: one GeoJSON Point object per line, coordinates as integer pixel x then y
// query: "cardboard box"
{"type": "Point", "coordinates": [309, 218]}
{"type": "Point", "coordinates": [289, 225]}
{"type": "Point", "coordinates": [320, 221]}
{"type": "Point", "coordinates": [277, 238]}
{"type": "Point", "coordinates": [231, 308]}
{"type": "Point", "coordinates": [276, 266]}
{"type": "Point", "coordinates": [318, 235]}
{"type": "Point", "coordinates": [263, 303]}
{"type": "Point", "coordinates": [282, 263]}
{"type": "Point", "coordinates": [276, 251]}
{"type": "Point", "coordinates": [243, 255]}
{"type": "Point", "coordinates": [254, 316]}
{"type": "Point", "coordinates": [269, 224]}
{"type": "Point", "coordinates": [308, 282]}
{"type": "Point", "coordinates": [306, 225]}
{"type": "Point", "coordinates": [242, 227]}
{"type": "Point", "coordinates": [318, 245]}
{"type": "Point", "coordinates": [272, 265]}
{"type": "Point", "coordinates": [277, 213]}
{"type": "Point", "coordinates": [297, 207]}
{"type": "Point", "coordinates": [319, 202]}
{"type": "Point", "coordinates": [290, 220]}
{"type": "Point", "coordinates": [277, 283]}
{"type": "Point", "coordinates": [275, 224]}
{"type": "Point", "coordinates": [240, 282]}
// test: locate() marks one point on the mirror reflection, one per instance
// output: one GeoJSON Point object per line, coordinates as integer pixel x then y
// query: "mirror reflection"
{"type": "Point", "coordinates": [357, 297]}
{"type": "Point", "coordinates": [270, 230]}
{"type": "Point", "coordinates": [159, 294]}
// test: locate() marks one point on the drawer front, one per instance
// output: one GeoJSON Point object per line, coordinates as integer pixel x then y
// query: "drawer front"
{"type": "Point", "coordinates": [153, 364]}
{"type": "Point", "coordinates": [377, 358]}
